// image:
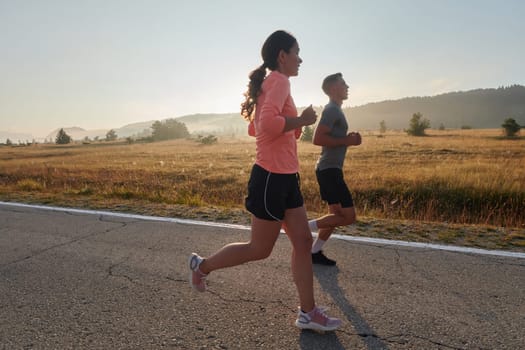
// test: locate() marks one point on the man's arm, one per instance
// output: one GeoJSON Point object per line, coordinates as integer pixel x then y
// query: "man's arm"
{"type": "Point", "coordinates": [322, 137]}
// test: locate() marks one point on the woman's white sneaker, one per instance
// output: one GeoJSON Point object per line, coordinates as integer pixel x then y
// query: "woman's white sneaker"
{"type": "Point", "coordinates": [317, 320]}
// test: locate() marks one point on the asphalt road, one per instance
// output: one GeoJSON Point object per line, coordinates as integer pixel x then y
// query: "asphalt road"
{"type": "Point", "coordinates": [72, 280]}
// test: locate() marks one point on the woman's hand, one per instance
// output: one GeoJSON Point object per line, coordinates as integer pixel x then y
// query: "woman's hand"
{"type": "Point", "coordinates": [308, 116]}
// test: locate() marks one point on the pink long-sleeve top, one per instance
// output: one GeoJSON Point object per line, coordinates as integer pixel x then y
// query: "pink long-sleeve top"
{"type": "Point", "coordinates": [276, 150]}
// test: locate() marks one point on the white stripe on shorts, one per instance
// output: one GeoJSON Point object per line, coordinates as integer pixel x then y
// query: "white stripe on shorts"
{"type": "Point", "coordinates": [265, 191]}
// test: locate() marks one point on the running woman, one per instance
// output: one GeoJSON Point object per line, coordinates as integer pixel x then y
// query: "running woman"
{"type": "Point", "coordinates": [274, 197]}
{"type": "Point", "coordinates": [331, 134]}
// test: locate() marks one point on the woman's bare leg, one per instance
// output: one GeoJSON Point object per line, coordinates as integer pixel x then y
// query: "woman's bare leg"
{"type": "Point", "coordinates": [263, 236]}
{"type": "Point", "coordinates": [296, 227]}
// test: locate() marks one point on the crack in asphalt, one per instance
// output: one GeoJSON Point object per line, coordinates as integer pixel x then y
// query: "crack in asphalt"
{"type": "Point", "coordinates": [111, 273]}
{"type": "Point", "coordinates": [110, 270]}
{"type": "Point", "coordinates": [398, 261]}
{"type": "Point", "coordinates": [105, 218]}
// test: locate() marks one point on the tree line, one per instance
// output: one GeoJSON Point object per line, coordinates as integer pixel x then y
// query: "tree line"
{"type": "Point", "coordinates": [169, 129]}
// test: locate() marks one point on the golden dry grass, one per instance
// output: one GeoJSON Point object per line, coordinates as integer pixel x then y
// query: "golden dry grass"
{"type": "Point", "coordinates": [456, 176]}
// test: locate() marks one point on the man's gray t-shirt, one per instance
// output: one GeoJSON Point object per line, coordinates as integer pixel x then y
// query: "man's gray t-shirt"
{"type": "Point", "coordinates": [334, 118]}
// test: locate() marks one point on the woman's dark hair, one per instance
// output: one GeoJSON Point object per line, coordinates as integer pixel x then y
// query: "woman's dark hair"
{"type": "Point", "coordinates": [277, 41]}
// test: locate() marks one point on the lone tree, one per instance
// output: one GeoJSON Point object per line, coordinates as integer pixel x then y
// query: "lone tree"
{"type": "Point", "coordinates": [382, 127]}
{"type": "Point", "coordinates": [111, 135]}
{"type": "Point", "coordinates": [169, 130]}
{"type": "Point", "coordinates": [418, 125]}
{"type": "Point", "coordinates": [308, 134]}
{"type": "Point", "coordinates": [510, 127]}
{"type": "Point", "coordinates": [62, 138]}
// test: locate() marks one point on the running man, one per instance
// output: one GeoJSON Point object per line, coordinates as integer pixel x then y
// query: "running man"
{"type": "Point", "coordinates": [332, 134]}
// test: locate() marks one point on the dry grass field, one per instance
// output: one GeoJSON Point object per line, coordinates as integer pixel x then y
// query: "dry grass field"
{"type": "Point", "coordinates": [454, 186]}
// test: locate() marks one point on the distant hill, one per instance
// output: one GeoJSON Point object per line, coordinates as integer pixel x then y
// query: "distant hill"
{"type": "Point", "coordinates": [479, 109]}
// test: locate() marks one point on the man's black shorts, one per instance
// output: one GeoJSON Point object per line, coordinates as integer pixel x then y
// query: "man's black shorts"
{"type": "Point", "coordinates": [333, 187]}
{"type": "Point", "coordinates": [270, 194]}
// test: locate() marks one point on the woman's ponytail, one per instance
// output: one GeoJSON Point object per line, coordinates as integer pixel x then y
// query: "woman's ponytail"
{"type": "Point", "coordinates": [254, 89]}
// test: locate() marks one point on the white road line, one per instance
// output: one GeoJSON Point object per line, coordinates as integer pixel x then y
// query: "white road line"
{"type": "Point", "coordinates": [380, 241]}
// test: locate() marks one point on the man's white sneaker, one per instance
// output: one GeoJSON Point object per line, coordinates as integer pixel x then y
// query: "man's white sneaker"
{"type": "Point", "coordinates": [312, 224]}
{"type": "Point", "coordinates": [197, 278]}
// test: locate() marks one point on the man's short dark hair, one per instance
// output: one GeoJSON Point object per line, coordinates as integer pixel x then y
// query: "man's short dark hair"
{"type": "Point", "coordinates": [329, 80]}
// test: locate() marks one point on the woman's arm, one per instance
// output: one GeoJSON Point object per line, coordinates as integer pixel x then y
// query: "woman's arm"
{"type": "Point", "coordinates": [308, 117]}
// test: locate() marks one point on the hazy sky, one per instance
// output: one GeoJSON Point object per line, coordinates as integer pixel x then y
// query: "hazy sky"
{"type": "Point", "coordinates": [105, 64]}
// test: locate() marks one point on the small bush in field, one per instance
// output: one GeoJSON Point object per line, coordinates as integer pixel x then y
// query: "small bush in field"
{"type": "Point", "coordinates": [418, 125]}
{"type": "Point", "coordinates": [510, 127]}
{"type": "Point", "coordinates": [207, 140]}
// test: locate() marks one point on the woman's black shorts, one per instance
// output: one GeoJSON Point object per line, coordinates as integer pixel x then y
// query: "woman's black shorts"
{"type": "Point", "coordinates": [270, 194]}
{"type": "Point", "coordinates": [333, 187]}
